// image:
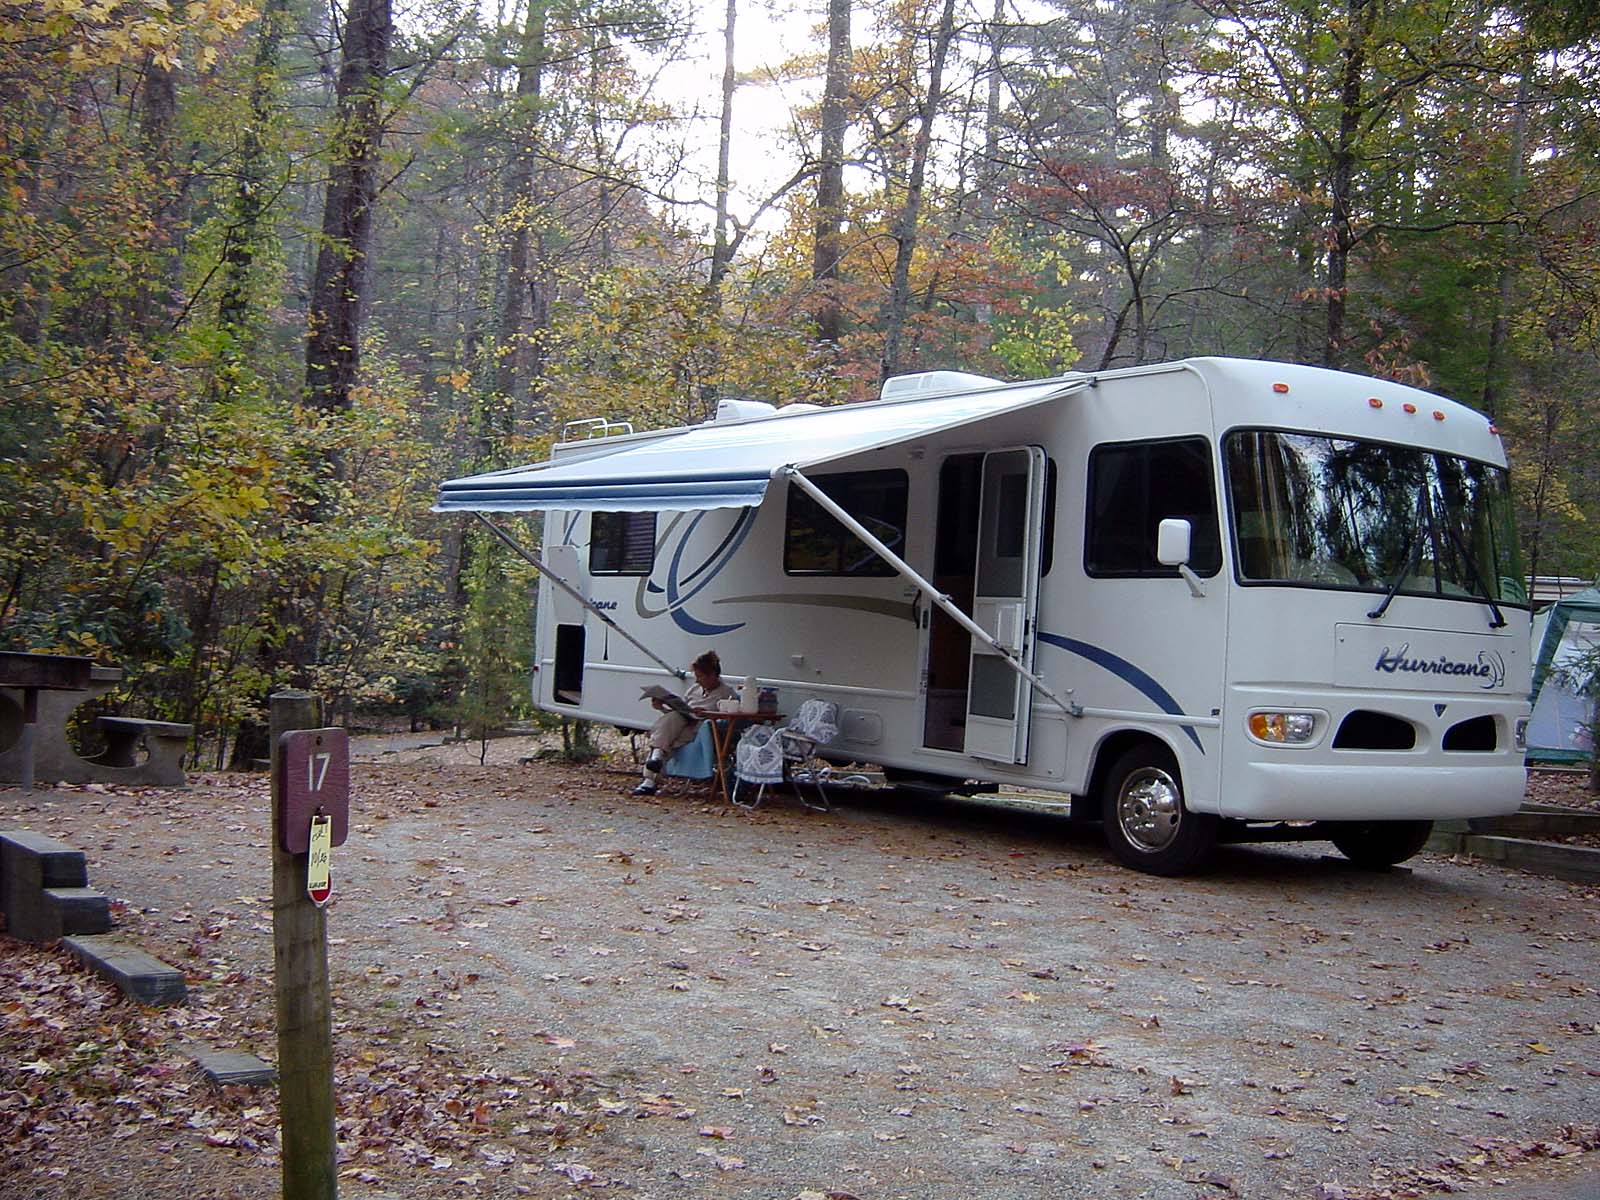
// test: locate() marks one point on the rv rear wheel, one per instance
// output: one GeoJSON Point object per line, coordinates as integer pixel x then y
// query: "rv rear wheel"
{"type": "Point", "coordinates": [1147, 825]}
{"type": "Point", "coordinates": [1379, 843]}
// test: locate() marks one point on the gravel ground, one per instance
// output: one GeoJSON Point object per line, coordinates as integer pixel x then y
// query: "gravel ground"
{"type": "Point", "coordinates": [671, 999]}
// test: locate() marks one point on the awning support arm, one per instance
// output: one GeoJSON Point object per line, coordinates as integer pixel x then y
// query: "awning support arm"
{"type": "Point", "coordinates": [938, 598]}
{"type": "Point", "coordinates": [549, 573]}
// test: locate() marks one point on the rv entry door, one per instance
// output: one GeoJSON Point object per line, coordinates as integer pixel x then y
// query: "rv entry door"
{"type": "Point", "coordinates": [1010, 516]}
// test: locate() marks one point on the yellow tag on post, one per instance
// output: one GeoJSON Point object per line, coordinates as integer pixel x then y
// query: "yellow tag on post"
{"type": "Point", "coordinates": [319, 884]}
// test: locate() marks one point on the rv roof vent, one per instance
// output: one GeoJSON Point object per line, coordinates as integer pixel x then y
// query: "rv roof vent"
{"type": "Point", "coordinates": [789, 410]}
{"type": "Point", "coordinates": [740, 410]}
{"type": "Point", "coordinates": [928, 382]}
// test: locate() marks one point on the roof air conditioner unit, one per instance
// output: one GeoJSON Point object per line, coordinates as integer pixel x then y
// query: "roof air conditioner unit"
{"type": "Point", "coordinates": [740, 410]}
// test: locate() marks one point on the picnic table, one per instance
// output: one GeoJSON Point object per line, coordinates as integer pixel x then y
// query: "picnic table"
{"type": "Point", "coordinates": [38, 694]}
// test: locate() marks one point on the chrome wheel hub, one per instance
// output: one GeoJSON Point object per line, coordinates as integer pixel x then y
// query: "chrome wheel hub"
{"type": "Point", "coordinates": [1149, 809]}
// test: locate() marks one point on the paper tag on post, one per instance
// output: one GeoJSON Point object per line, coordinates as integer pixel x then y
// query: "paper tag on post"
{"type": "Point", "coordinates": [319, 884]}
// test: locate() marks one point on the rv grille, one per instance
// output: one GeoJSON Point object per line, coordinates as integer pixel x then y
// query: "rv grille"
{"type": "Point", "coordinates": [1476, 735]}
{"type": "Point", "coordinates": [1366, 730]}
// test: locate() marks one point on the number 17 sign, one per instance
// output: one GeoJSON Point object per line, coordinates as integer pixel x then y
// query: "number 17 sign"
{"type": "Point", "coordinates": [313, 786]}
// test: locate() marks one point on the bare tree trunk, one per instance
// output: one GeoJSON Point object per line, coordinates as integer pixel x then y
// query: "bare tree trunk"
{"type": "Point", "coordinates": [988, 175]}
{"type": "Point", "coordinates": [991, 113]}
{"type": "Point", "coordinates": [201, 626]}
{"type": "Point", "coordinates": [704, 372]}
{"type": "Point", "coordinates": [1343, 177]}
{"type": "Point", "coordinates": [1544, 475]}
{"type": "Point", "coordinates": [721, 251]}
{"type": "Point", "coordinates": [338, 292]}
{"type": "Point", "coordinates": [158, 115]}
{"type": "Point", "coordinates": [497, 418]}
{"type": "Point", "coordinates": [249, 199]}
{"type": "Point", "coordinates": [338, 288]}
{"type": "Point", "coordinates": [1141, 314]}
{"type": "Point", "coordinates": [827, 250]}
{"type": "Point", "coordinates": [601, 147]}
{"type": "Point", "coordinates": [1500, 326]}
{"type": "Point", "coordinates": [905, 232]}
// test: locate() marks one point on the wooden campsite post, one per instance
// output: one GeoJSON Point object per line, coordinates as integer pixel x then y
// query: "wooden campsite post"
{"type": "Point", "coordinates": [300, 981]}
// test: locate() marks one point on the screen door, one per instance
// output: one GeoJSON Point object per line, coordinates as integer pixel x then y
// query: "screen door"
{"type": "Point", "coordinates": [1010, 514]}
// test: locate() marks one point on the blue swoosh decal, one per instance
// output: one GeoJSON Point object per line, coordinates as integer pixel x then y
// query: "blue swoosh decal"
{"type": "Point", "coordinates": [675, 602]}
{"type": "Point", "coordinates": [1125, 670]}
{"type": "Point", "coordinates": [736, 535]}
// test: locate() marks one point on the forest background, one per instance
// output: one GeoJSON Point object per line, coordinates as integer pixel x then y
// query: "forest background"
{"type": "Point", "coordinates": [271, 270]}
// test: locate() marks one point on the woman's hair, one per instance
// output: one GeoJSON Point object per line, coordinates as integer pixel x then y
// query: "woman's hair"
{"type": "Point", "coordinates": [709, 663]}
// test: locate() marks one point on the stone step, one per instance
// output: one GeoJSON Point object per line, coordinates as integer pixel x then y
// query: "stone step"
{"type": "Point", "coordinates": [228, 1067]}
{"type": "Point", "coordinates": [1580, 864]}
{"type": "Point", "coordinates": [1538, 822]}
{"type": "Point", "coordinates": [140, 976]}
{"type": "Point", "coordinates": [31, 865]}
{"type": "Point", "coordinates": [48, 863]}
{"type": "Point", "coordinates": [76, 910]}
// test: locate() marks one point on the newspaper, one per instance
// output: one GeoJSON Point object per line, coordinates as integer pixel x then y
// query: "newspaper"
{"type": "Point", "coordinates": [671, 699]}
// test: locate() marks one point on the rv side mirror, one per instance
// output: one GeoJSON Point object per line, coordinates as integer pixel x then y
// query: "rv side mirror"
{"type": "Point", "coordinates": [1172, 542]}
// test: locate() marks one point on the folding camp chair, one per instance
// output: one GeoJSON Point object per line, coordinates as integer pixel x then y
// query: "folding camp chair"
{"type": "Point", "coordinates": [768, 755]}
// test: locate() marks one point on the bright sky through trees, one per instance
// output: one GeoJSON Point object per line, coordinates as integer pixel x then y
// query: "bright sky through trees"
{"type": "Point", "coordinates": [777, 49]}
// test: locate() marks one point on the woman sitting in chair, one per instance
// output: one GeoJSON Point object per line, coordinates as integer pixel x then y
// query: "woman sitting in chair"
{"type": "Point", "coordinates": [673, 729]}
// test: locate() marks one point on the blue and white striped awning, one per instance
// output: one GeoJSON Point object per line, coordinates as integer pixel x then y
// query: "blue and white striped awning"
{"type": "Point", "coordinates": [728, 464]}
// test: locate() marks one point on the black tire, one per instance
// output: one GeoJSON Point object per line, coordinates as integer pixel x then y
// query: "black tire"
{"type": "Point", "coordinates": [1085, 812]}
{"type": "Point", "coordinates": [1147, 824]}
{"type": "Point", "coordinates": [1377, 844]}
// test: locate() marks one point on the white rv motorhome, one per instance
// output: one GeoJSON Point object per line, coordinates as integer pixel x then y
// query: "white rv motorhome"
{"type": "Point", "coordinates": [1211, 599]}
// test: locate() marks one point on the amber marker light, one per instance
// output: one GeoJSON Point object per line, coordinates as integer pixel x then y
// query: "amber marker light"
{"type": "Point", "coordinates": [1409, 407]}
{"type": "Point", "coordinates": [1281, 388]}
{"type": "Point", "coordinates": [1438, 415]}
{"type": "Point", "coordinates": [1374, 402]}
{"type": "Point", "coordinates": [1283, 728]}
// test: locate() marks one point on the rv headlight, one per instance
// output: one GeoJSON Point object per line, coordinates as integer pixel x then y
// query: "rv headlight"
{"type": "Point", "coordinates": [1519, 734]}
{"type": "Point", "coordinates": [1283, 728]}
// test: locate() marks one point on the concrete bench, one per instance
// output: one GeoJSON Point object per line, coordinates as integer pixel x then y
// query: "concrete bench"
{"type": "Point", "coordinates": [44, 889]}
{"type": "Point", "coordinates": [163, 741]}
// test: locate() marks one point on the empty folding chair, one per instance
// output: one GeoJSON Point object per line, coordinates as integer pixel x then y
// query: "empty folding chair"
{"type": "Point", "coordinates": [758, 763]}
{"type": "Point", "coordinates": [815, 724]}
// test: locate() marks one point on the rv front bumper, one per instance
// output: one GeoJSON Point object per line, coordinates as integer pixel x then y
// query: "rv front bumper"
{"type": "Point", "coordinates": [1289, 791]}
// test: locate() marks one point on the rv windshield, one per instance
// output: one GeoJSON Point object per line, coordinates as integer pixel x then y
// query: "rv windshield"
{"type": "Point", "coordinates": [1341, 513]}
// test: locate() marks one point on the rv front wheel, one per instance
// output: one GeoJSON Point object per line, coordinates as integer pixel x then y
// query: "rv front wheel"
{"type": "Point", "coordinates": [1377, 844]}
{"type": "Point", "coordinates": [1147, 824]}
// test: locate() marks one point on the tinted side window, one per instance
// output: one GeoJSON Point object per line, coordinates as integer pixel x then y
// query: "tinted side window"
{"type": "Point", "coordinates": [622, 543]}
{"type": "Point", "coordinates": [814, 543]}
{"type": "Point", "coordinates": [1132, 489]}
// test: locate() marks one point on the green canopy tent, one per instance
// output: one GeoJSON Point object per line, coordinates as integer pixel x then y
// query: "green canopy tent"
{"type": "Point", "coordinates": [1566, 638]}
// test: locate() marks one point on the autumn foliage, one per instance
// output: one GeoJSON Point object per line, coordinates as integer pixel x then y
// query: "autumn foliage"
{"type": "Point", "coordinates": [1401, 190]}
